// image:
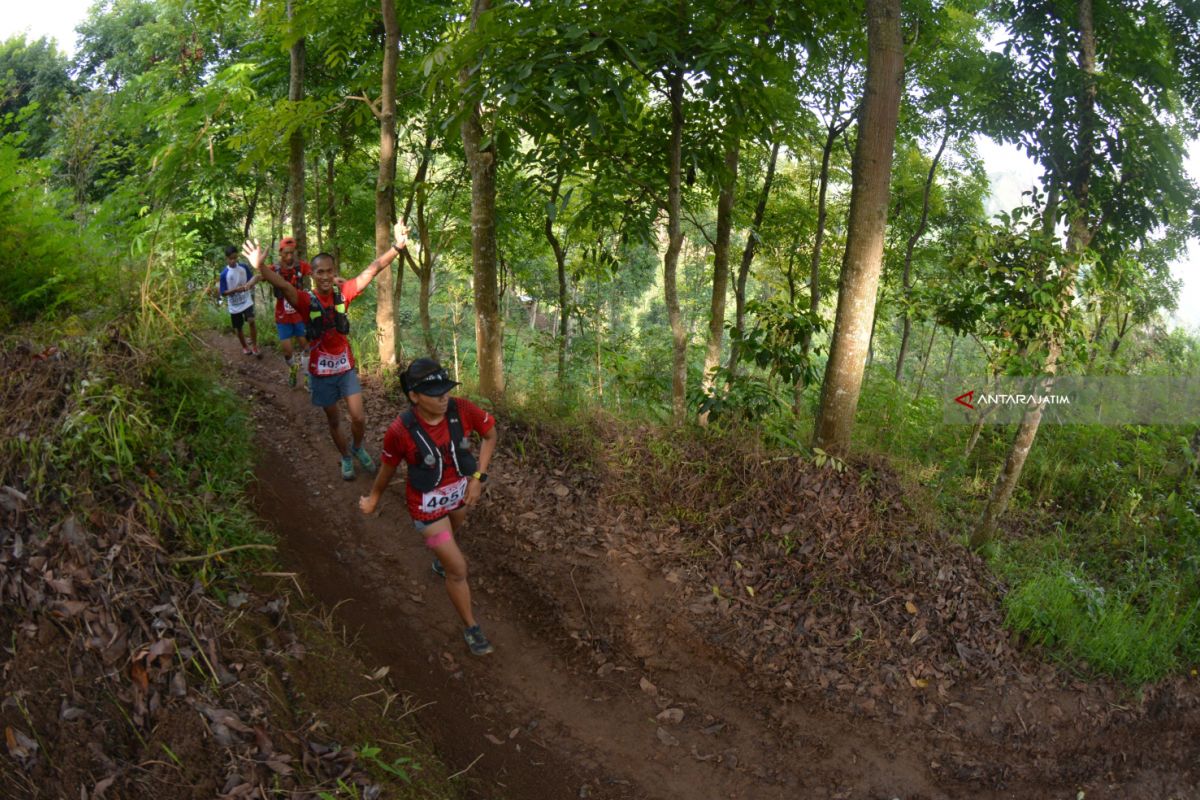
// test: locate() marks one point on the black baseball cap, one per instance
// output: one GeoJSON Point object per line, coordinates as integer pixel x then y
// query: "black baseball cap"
{"type": "Point", "coordinates": [426, 376]}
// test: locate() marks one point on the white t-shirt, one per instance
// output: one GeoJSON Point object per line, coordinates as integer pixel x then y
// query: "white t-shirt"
{"type": "Point", "coordinates": [231, 278]}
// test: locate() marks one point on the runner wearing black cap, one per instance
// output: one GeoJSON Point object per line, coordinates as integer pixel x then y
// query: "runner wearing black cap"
{"type": "Point", "coordinates": [444, 477]}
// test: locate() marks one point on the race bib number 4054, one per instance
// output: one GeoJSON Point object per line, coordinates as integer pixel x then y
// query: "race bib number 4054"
{"type": "Point", "coordinates": [333, 363]}
{"type": "Point", "coordinates": [447, 498]}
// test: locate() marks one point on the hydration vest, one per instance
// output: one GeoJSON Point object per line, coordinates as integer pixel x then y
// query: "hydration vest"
{"type": "Point", "coordinates": [426, 474]}
{"type": "Point", "coordinates": [322, 319]}
{"type": "Point", "coordinates": [296, 280]}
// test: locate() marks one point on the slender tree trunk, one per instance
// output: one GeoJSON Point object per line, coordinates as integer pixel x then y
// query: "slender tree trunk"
{"type": "Point", "coordinates": [674, 244]}
{"type": "Point", "coordinates": [251, 207]}
{"type": "Point", "coordinates": [316, 166]}
{"type": "Point", "coordinates": [331, 201]}
{"type": "Point", "coordinates": [739, 292]}
{"type": "Point", "coordinates": [720, 279]}
{"type": "Point", "coordinates": [832, 132]}
{"type": "Point", "coordinates": [560, 260]}
{"type": "Point", "coordinates": [296, 146]}
{"type": "Point", "coordinates": [868, 220]}
{"type": "Point", "coordinates": [385, 191]}
{"type": "Point", "coordinates": [925, 362]}
{"type": "Point", "coordinates": [1097, 335]}
{"type": "Point", "coordinates": [425, 277]}
{"type": "Point", "coordinates": [1079, 236]}
{"type": "Point", "coordinates": [489, 333]}
{"type": "Point", "coordinates": [949, 357]}
{"type": "Point", "coordinates": [911, 245]}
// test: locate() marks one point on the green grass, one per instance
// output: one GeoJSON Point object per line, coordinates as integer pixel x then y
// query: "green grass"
{"type": "Point", "coordinates": [1138, 639]}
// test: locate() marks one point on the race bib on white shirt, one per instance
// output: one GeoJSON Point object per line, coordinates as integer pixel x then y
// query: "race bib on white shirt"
{"type": "Point", "coordinates": [447, 498]}
{"type": "Point", "coordinates": [333, 363]}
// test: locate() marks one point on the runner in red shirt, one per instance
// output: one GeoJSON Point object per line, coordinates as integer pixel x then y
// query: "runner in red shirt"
{"type": "Point", "coordinates": [444, 477]}
{"type": "Point", "coordinates": [332, 376]}
{"type": "Point", "coordinates": [288, 322]}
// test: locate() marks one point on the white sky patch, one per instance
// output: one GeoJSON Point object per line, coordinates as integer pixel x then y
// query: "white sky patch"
{"type": "Point", "coordinates": [1011, 172]}
{"type": "Point", "coordinates": [54, 18]}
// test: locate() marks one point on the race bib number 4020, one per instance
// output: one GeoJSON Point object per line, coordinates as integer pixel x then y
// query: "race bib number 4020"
{"type": "Point", "coordinates": [447, 498]}
{"type": "Point", "coordinates": [333, 363]}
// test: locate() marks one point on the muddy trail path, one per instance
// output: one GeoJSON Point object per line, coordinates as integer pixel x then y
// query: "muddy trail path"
{"type": "Point", "coordinates": [600, 686]}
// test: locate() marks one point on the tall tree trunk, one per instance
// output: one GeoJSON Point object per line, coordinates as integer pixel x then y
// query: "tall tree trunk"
{"type": "Point", "coordinates": [911, 245]}
{"type": "Point", "coordinates": [868, 220]}
{"type": "Point", "coordinates": [560, 260]}
{"type": "Point", "coordinates": [674, 244]}
{"type": "Point", "coordinates": [1079, 236]}
{"type": "Point", "coordinates": [385, 191]}
{"type": "Point", "coordinates": [489, 333]}
{"type": "Point", "coordinates": [739, 291]}
{"type": "Point", "coordinates": [720, 279]}
{"type": "Point", "coordinates": [296, 146]}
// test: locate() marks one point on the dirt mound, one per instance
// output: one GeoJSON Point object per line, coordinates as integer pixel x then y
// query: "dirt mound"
{"type": "Point", "coordinates": [818, 584]}
{"type": "Point", "coordinates": [123, 675]}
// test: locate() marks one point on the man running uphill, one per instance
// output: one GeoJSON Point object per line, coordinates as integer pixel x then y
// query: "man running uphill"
{"type": "Point", "coordinates": [444, 477]}
{"type": "Point", "coordinates": [332, 375]}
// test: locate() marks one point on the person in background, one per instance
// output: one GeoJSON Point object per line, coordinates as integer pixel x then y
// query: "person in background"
{"type": "Point", "coordinates": [288, 322]}
{"type": "Point", "coordinates": [237, 287]}
{"type": "Point", "coordinates": [332, 375]}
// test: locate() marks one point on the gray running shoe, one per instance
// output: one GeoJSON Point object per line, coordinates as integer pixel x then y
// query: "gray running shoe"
{"type": "Point", "coordinates": [478, 643]}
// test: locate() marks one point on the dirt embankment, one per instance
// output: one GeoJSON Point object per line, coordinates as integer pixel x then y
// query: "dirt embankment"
{"type": "Point", "coordinates": [121, 675]}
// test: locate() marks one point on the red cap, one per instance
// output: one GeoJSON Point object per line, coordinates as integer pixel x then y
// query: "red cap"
{"type": "Point", "coordinates": [287, 241]}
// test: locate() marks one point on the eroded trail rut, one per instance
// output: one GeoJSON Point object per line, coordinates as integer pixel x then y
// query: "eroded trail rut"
{"type": "Point", "coordinates": [645, 710]}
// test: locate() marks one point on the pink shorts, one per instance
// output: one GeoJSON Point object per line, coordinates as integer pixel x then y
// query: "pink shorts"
{"type": "Point", "coordinates": [434, 539]}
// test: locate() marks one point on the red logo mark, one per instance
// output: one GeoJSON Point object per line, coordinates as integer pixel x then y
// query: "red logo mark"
{"type": "Point", "coordinates": [969, 395]}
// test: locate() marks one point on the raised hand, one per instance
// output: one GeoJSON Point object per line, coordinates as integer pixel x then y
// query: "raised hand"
{"type": "Point", "coordinates": [254, 253]}
{"type": "Point", "coordinates": [400, 235]}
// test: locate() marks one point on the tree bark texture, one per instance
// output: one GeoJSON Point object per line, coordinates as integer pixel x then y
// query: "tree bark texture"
{"type": "Point", "coordinates": [868, 220]}
{"type": "Point", "coordinates": [385, 192]}
{"type": "Point", "coordinates": [489, 333]}
{"type": "Point", "coordinates": [720, 279]}
{"type": "Point", "coordinates": [674, 245]}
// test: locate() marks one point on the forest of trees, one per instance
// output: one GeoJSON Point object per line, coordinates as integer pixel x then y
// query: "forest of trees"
{"type": "Point", "coordinates": [720, 213]}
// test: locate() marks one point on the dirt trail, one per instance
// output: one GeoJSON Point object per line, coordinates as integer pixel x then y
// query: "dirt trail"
{"type": "Point", "coordinates": [583, 695]}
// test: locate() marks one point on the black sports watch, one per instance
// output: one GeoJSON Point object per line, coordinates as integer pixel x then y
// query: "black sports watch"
{"type": "Point", "coordinates": [480, 476]}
